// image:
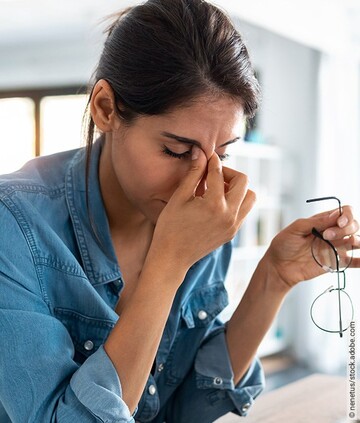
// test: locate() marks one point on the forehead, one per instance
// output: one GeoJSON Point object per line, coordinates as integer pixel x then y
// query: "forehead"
{"type": "Point", "coordinates": [211, 121]}
{"type": "Point", "coordinates": [218, 111]}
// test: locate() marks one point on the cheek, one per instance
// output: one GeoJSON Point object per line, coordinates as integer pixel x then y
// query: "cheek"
{"type": "Point", "coordinates": [146, 175]}
{"type": "Point", "coordinates": [150, 172]}
{"type": "Point", "coordinates": [165, 175]}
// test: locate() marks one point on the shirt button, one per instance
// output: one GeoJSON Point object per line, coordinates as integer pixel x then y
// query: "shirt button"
{"type": "Point", "coordinates": [88, 345]}
{"type": "Point", "coordinates": [152, 390]}
{"type": "Point", "coordinates": [160, 367]}
{"type": "Point", "coordinates": [202, 315]}
{"type": "Point", "coordinates": [218, 381]}
{"type": "Point", "coordinates": [245, 407]}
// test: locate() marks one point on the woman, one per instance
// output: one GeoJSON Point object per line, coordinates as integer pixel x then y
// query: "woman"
{"type": "Point", "coordinates": [113, 262]}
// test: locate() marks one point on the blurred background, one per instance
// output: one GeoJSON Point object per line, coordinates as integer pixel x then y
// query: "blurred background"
{"type": "Point", "coordinates": [303, 143]}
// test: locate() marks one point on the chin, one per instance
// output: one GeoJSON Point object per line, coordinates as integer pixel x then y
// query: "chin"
{"type": "Point", "coordinates": [153, 212]}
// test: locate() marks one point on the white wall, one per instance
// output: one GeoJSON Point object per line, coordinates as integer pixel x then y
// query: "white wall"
{"type": "Point", "coordinates": [43, 65]}
{"type": "Point", "coordinates": [54, 59]}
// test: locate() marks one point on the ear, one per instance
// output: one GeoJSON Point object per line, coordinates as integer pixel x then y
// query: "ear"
{"type": "Point", "coordinates": [102, 107]}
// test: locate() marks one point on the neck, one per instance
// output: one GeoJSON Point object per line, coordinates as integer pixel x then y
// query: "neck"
{"type": "Point", "coordinates": [124, 219]}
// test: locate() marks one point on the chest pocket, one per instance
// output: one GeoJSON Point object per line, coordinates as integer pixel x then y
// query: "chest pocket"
{"type": "Point", "coordinates": [204, 305]}
{"type": "Point", "coordinates": [87, 333]}
{"type": "Point", "coordinates": [197, 313]}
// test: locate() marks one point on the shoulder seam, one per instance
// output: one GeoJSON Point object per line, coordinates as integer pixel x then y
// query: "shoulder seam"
{"type": "Point", "coordinates": [26, 231]}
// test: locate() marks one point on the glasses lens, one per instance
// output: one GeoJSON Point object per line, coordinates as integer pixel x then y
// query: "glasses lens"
{"type": "Point", "coordinates": [327, 257]}
{"type": "Point", "coordinates": [325, 310]}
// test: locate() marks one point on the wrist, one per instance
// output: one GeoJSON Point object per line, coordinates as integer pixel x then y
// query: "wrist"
{"type": "Point", "coordinates": [273, 277]}
{"type": "Point", "coordinates": [169, 255]}
{"type": "Point", "coordinates": [165, 267]}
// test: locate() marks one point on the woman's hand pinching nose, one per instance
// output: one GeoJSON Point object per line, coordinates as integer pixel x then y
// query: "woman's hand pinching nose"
{"type": "Point", "coordinates": [195, 153]}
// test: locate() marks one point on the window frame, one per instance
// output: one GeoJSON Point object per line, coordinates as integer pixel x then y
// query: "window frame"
{"type": "Point", "coordinates": [36, 95]}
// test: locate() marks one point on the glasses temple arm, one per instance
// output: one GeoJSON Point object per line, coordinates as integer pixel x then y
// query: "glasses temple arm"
{"type": "Point", "coordinates": [313, 200]}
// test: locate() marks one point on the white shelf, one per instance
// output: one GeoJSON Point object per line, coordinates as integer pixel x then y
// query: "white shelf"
{"type": "Point", "coordinates": [263, 165]}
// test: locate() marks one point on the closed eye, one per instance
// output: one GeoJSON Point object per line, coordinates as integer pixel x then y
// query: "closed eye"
{"type": "Point", "coordinates": [187, 154]}
{"type": "Point", "coordinates": [176, 155]}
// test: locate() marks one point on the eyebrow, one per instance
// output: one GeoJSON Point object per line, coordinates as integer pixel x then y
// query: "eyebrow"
{"type": "Point", "coordinates": [192, 141]}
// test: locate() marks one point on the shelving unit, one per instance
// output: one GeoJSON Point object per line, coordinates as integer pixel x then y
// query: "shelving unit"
{"type": "Point", "coordinates": [263, 165]}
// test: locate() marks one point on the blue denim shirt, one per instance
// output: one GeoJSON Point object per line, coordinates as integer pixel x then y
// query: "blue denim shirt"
{"type": "Point", "coordinates": [59, 285]}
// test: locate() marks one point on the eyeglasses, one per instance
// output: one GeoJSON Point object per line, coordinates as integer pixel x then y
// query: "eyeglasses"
{"type": "Point", "coordinates": [334, 259]}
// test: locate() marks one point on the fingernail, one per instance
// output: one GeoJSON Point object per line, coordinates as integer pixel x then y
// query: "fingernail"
{"type": "Point", "coordinates": [195, 153]}
{"type": "Point", "coordinates": [328, 234]}
{"type": "Point", "coordinates": [343, 221]}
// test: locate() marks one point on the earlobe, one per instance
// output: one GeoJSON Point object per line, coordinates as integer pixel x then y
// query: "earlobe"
{"type": "Point", "coordinates": [102, 106]}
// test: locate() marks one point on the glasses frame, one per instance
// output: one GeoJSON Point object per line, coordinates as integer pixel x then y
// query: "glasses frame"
{"type": "Point", "coordinates": [340, 287]}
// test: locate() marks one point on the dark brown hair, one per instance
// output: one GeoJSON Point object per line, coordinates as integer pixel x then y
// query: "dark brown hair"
{"type": "Point", "coordinates": [166, 53]}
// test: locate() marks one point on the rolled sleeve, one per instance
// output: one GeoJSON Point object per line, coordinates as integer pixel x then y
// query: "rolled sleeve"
{"type": "Point", "coordinates": [52, 385]}
{"type": "Point", "coordinates": [97, 386]}
{"type": "Point", "coordinates": [208, 391]}
{"type": "Point", "coordinates": [213, 371]}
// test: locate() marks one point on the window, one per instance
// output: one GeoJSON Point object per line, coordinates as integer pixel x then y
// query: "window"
{"type": "Point", "coordinates": [61, 119]}
{"type": "Point", "coordinates": [39, 122]}
{"type": "Point", "coordinates": [17, 129]}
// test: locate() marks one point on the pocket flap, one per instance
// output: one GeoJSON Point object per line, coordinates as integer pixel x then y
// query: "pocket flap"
{"type": "Point", "coordinates": [204, 305]}
{"type": "Point", "coordinates": [87, 333]}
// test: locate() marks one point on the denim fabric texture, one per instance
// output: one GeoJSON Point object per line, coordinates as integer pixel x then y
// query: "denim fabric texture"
{"type": "Point", "coordinates": [59, 285]}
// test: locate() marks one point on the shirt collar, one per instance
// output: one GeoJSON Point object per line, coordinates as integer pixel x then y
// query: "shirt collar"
{"type": "Point", "coordinates": [90, 222]}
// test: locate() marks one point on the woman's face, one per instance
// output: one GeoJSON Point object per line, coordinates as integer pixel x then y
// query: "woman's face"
{"type": "Point", "coordinates": [150, 158]}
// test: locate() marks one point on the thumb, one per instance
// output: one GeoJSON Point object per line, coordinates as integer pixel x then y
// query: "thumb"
{"type": "Point", "coordinates": [191, 180]}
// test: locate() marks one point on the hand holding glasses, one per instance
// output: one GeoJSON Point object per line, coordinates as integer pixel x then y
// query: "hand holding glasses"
{"type": "Point", "coordinates": [334, 259]}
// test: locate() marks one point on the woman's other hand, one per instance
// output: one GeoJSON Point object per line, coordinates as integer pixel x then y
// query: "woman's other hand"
{"type": "Point", "coordinates": [290, 251]}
